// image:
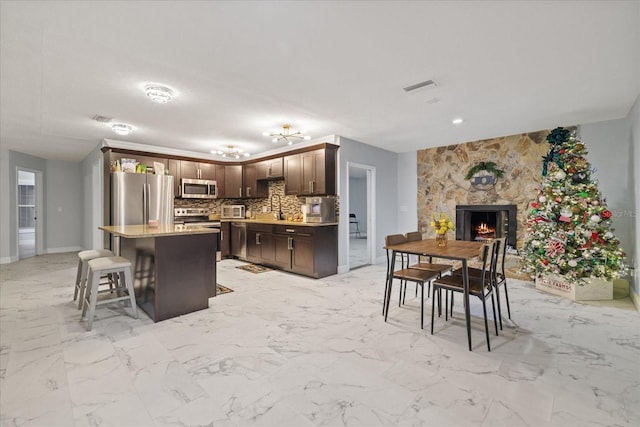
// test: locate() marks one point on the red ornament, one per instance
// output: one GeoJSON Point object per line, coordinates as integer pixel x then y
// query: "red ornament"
{"type": "Point", "coordinates": [606, 214]}
{"type": "Point", "coordinates": [558, 199]}
{"type": "Point", "coordinates": [545, 261]}
{"type": "Point", "coordinates": [562, 151]}
{"type": "Point", "coordinates": [572, 170]}
{"type": "Point", "coordinates": [535, 205]}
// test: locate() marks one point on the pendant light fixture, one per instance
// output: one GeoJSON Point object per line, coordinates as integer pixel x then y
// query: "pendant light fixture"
{"type": "Point", "coordinates": [231, 153]}
{"type": "Point", "coordinates": [287, 135]}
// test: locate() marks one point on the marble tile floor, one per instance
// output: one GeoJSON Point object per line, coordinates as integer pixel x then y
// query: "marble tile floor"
{"type": "Point", "coordinates": [283, 350]}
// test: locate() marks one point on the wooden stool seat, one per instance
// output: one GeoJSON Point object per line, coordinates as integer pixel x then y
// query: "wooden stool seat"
{"type": "Point", "coordinates": [81, 276]}
{"type": "Point", "coordinates": [120, 268]}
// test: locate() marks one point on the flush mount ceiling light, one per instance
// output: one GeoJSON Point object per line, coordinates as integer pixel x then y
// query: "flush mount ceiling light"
{"type": "Point", "coordinates": [122, 128]}
{"type": "Point", "coordinates": [457, 121]}
{"type": "Point", "coordinates": [287, 135]}
{"type": "Point", "coordinates": [232, 152]}
{"type": "Point", "coordinates": [158, 93]}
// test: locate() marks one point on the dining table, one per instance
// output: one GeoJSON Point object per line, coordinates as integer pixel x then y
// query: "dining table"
{"type": "Point", "coordinates": [455, 250]}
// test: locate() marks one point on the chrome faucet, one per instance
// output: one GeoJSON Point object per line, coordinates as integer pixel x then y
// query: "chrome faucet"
{"type": "Point", "coordinates": [279, 205]}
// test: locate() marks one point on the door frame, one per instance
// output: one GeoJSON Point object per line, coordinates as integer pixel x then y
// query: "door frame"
{"type": "Point", "coordinates": [39, 203]}
{"type": "Point", "coordinates": [371, 214]}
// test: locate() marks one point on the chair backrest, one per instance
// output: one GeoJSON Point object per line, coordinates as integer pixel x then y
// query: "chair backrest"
{"type": "Point", "coordinates": [414, 236]}
{"type": "Point", "coordinates": [352, 216]}
{"type": "Point", "coordinates": [394, 239]}
{"type": "Point", "coordinates": [502, 253]}
{"type": "Point", "coordinates": [489, 256]}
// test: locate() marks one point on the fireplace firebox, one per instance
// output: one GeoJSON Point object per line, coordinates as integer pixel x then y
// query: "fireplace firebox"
{"type": "Point", "coordinates": [482, 222]}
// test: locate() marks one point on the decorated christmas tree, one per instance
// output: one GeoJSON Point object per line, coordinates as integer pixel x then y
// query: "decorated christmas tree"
{"type": "Point", "coordinates": [569, 228]}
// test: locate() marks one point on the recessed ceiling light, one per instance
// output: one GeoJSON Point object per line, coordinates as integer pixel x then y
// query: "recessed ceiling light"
{"type": "Point", "coordinates": [457, 121]}
{"type": "Point", "coordinates": [158, 93]}
{"type": "Point", "coordinates": [122, 128]}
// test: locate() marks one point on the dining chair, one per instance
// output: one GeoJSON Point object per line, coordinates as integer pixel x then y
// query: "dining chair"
{"type": "Point", "coordinates": [415, 236]}
{"type": "Point", "coordinates": [354, 220]}
{"type": "Point", "coordinates": [481, 287]}
{"type": "Point", "coordinates": [498, 278]}
{"type": "Point", "coordinates": [420, 277]}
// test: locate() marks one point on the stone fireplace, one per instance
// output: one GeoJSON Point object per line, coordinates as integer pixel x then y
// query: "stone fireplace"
{"type": "Point", "coordinates": [482, 222]}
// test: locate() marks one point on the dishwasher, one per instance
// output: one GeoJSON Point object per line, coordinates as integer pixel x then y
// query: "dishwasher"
{"type": "Point", "coordinates": [239, 240]}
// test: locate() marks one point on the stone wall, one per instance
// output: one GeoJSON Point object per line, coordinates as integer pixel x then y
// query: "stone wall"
{"type": "Point", "coordinates": [442, 184]}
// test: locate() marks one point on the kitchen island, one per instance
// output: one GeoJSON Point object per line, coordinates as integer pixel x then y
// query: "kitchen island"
{"type": "Point", "coordinates": [173, 267]}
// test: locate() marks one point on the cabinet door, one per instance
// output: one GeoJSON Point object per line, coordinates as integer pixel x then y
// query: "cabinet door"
{"type": "Point", "coordinates": [262, 169]}
{"type": "Point", "coordinates": [220, 181]}
{"type": "Point", "coordinates": [225, 240]}
{"type": "Point", "coordinates": [233, 182]}
{"type": "Point", "coordinates": [275, 168]}
{"type": "Point", "coordinates": [267, 248]}
{"type": "Point", "coordinates": [292, 175]}
{"type": "Point", "coordinates": [188, 169]}
{"type": "Point", "coordinates": [282, 253]}
{"type": "Point", "coordinates": [253, 245]}
{"type": "Point", "coordinates": [207, 171]}
{"type": "Point", "coordinates": [308, 164]}
{"type": "Point", "coordinates": [250, 177]}
{"type": "Point", "coordinates": [302, 255]}
{"type": "Point", "coordinates": [174, 169]}
{"type": "Point", "coordinates": [318, 186]}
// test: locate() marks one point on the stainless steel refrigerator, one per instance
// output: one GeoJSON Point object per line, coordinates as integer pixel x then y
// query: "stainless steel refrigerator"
{"type": "Point", "coordinates": [138, 197]}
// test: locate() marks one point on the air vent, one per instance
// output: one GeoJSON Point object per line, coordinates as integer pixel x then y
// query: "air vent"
{"type": "Point", "coordinates": [428, 83]}
{"type": "Point", "coordinates": [101, 119]}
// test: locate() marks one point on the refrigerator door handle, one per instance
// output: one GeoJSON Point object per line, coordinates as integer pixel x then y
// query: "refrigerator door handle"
{"type": "Point", "coordinates": [145, 203]}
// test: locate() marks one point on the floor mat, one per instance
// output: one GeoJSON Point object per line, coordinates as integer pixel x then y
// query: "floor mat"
{"type": "Point", "coordinates": [222, 289]}
{"type": "Point", "coordinates": [254, 268]}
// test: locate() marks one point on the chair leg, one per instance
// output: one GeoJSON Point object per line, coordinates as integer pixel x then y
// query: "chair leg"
{"type": "Point", "coordinates": [386, 311]}
{"type": "Point", "coordinates": [506, 295]}
{"type": "Point", "coordinates": [433, 307]}
{"type": "Point", "coordinates": [446, 305]}
{"type": "Point", "coordinates": [78, 275]}
{"type": "Point", "coordinates": [132, 297]}
{"type": "Point", "coordinates": [486, 324]}
{"type": "Point", "coordinates": [92, 286]}
{"type": "Point", "coordinates": [421, 305]}
{"type": "Point", "coordinates": [499, 309]}
{"type": "Point", "coordinates": [493, 305]}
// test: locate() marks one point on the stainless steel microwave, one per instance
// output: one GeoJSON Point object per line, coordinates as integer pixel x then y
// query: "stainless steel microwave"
{"type": "Point", "coordinates": [198, 189]}
{"type": "Point", "coordinates": [232, 211]}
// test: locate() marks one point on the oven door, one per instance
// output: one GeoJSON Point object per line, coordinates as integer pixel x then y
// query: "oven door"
{"type": "Point", "coordinates": [215, 225]}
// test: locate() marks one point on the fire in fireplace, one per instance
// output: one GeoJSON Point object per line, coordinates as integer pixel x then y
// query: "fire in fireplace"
{"type": "Point", "coordinates": [482, 222]}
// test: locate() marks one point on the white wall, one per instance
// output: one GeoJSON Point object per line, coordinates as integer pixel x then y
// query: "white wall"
{"type": "Point", "coordinates": [407, 192]}
{"type": "Point", "coordinates": [634, 120]}
{"type": "Point", "coordinates": [385, 194]}
{"type": "Point", "coordinates": [92, 176]}
{"type": "Point", "coordinates": [63, 204]}
{"type": "Point", "coordinates": [609, 147]}
{"type": "Point", "coordinates": [5, 228]}
{"type": "Point", "coordinates": [61, 187]}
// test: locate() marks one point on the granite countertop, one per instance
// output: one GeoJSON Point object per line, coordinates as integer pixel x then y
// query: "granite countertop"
{"type": "Point", "coordinates": [139, 231]}
{"type": "Point", "coordinates": [279, 222]}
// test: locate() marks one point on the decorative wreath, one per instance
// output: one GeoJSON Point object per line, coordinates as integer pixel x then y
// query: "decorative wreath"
{"type": "Point", "coordinates": [485, 166]}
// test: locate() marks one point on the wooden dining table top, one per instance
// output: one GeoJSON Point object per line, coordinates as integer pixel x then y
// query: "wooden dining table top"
{"type": "Point", "coordinates": [455, 249]}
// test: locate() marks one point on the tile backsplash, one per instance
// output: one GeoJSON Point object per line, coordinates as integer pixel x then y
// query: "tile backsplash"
{"type": "Point", "coordinates": [290, 204]}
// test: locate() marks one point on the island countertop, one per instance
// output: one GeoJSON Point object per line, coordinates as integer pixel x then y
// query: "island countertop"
{"type": "Point", "coordinates": [139, 231]}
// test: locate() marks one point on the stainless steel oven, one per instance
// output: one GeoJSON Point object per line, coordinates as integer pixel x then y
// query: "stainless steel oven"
{"type": "Point", "coordinates": [198, 217]}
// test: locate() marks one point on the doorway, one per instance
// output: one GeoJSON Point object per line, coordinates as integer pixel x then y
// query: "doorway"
{"type": "Point", "coordinates": [359, 202]}
{"type": "Point", "coordinates": [28, 196]}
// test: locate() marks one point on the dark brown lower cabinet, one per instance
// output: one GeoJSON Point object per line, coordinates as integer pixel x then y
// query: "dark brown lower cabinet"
{"type": "Point", "coordinates": [309, 251]}
{"type": "Point", "coordinates": [225, 240]}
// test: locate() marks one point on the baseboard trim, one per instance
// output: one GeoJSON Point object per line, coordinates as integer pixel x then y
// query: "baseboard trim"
{"type": "Point", "coordinates": [8, 259]}
{"type": "Point", "coordinates": [61, 250]}
{"type": "Point", "coordinates": [635, 298]}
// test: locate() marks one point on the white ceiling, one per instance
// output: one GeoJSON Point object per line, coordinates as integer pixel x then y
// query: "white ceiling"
{"type": "Point", "coordinates": [240, 68]}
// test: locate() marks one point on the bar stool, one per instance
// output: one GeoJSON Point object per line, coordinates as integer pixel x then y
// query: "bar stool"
{"type": "Point", "coordinates": [81, 276]}
{"type": "Point", "coordinates": [120, 268]}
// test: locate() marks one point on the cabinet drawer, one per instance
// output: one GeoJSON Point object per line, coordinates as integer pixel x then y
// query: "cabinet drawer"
{"type": "Point", "coordinates": [293, 230]}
